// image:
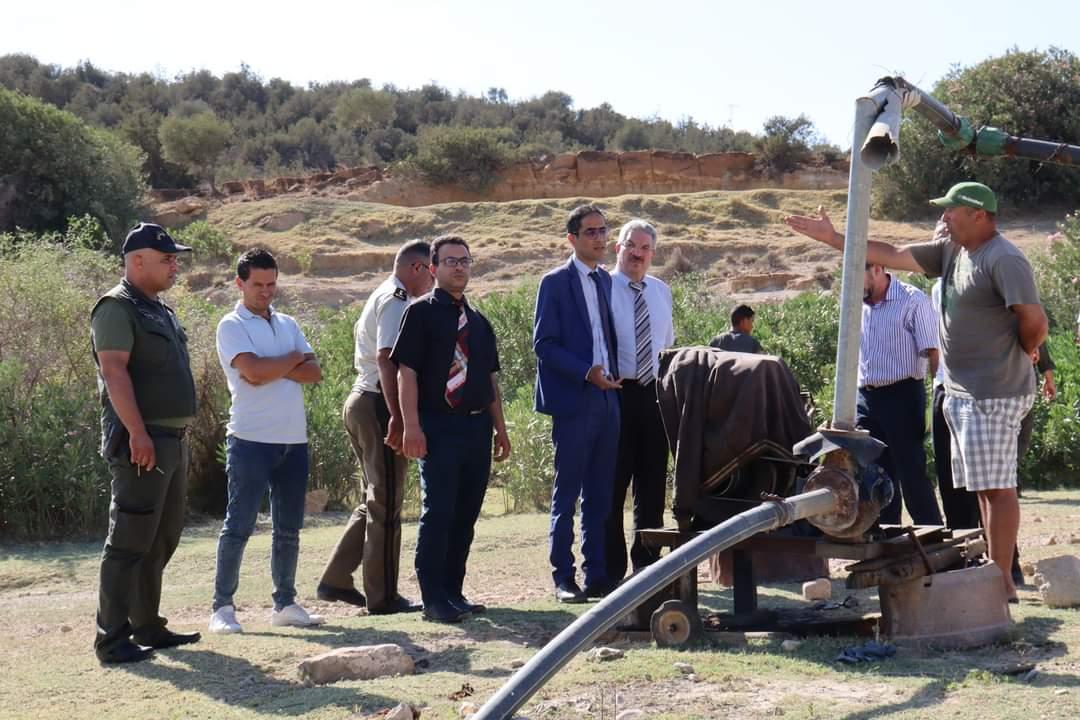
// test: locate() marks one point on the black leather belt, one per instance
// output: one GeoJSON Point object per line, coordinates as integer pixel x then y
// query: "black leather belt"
{"type": "Point", "coordinates": [887, 385]}
{"type": "Point", "coordinates": [166, 431]}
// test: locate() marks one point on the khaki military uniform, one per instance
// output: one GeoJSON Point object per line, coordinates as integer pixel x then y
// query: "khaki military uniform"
{"type": "Point", "coordinates": [372, 537]}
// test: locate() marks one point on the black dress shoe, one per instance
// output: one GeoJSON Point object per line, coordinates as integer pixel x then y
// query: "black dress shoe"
{"type": "Point", "coordinates": [569, 592]}
{"type": "Point", "coordinates": [465, 606]}
{"type": "Point", "coordinates": [593, 592]}
{"type": "Point", "coordinates": [167, 639]}
{"type": "Point", "coordinates": [124, 652]}
{"type": "Point", "coordinates": [397, 605]}
{"type": "Point", "coordinates": [329, 593]}
{"type": "Point", "coordinates": [443, 612]}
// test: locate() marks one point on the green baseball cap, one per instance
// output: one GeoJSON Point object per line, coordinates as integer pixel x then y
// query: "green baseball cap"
{"type": "Point", "coordinates": [972, 194]}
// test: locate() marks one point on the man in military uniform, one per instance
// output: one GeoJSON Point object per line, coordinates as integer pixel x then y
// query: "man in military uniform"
{"type": "Point", "coordinates": [148, 401]}
{"type": "Point", "coordinates": [372, 416]}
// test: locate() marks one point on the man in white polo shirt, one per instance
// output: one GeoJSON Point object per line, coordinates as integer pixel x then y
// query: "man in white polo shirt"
{"type": "Point", "coordinates": [266, 359]}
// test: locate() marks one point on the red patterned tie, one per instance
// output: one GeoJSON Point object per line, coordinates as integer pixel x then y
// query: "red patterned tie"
{"type": "Point", "coordinates": [455, 383]}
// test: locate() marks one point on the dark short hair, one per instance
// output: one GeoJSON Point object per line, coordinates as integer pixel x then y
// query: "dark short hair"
{"type": "Point", "coordinates": [446, 240]}
{"type": "Point", "coordinates": [412, 251]}
{"type": "Point", "coordinates": [740, 313]}
{"type": "Point", "coordinates": [254, 258]}
{"type": "Point", "coordinates": [573, 223]}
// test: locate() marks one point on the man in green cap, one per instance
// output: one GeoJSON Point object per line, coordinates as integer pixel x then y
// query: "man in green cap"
{"type": "Point", "coordinates": [991, 326]}
{"type": "Point", "coordinates": [148, 401]}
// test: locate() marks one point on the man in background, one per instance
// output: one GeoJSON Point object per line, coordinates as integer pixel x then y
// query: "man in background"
{"type": "Point", "coordinates": [576, 384]}
{"type": "Point", "coordinates": [266, 360]}
{"type": "Point", "coordinates": [147, 402]}
{"type": "Point", "coordinates": [641, 307]}
{"type": "Point", "coordinates": [453, 424]}
{"type": "Point", "coordinates": [740, 338]}
{"type": "Point", "coordinates": [898, 341]}
{"type": "Point", "coordinates": [372, 416]}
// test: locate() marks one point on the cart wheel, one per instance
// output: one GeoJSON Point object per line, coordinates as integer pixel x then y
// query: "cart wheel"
{"type": "Point", "coordinates": [675, 623]}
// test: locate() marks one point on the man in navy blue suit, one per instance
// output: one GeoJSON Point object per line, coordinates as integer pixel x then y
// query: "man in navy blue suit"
{"type": "Point", "coordinates": [577, 363]}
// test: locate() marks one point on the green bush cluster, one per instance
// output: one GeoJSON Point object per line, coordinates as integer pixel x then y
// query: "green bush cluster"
{"type": "Point", "coordinates": [53, 166]}
{"type": "Point", "coordinates": [207, 241]}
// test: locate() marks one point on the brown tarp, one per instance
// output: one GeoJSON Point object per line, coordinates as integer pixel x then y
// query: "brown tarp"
{"type": "Point", "coordinates": [715, 404]}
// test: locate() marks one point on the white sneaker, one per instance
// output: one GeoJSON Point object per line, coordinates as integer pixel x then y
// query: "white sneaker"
{"type": "Point", "coordinates": [223, 621]}
{"type": "Point", "coordinates": [294, 616]}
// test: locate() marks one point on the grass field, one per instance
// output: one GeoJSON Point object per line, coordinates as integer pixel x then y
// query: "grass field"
{"type": "Point", "coordinates": [47, 669]}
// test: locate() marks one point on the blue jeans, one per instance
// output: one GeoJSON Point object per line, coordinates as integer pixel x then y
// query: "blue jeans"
{"type": "Point", "coordinates": [252, 468]}
{"type": "Point", "coordinates": [453, 479]}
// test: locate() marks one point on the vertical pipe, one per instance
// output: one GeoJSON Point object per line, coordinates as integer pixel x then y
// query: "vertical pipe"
{"type": "Point", "coordinates": [851, 287]}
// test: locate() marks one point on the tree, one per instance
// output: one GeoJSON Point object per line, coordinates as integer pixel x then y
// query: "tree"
{"type": "Point", "coordinates": [53, 166]}
{"type": "Point", "coordinates": [469, 156]}
{"type": "Point", "coordinates": [786, 143]}
{"type": "Point", "coordinates": [362, 110]}
{"type": "Point", "coordinates": [195, 142]}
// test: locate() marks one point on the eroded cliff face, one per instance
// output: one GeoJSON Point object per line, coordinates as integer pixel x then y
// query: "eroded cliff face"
{"type": "Point", "coordinates": [585, 174]}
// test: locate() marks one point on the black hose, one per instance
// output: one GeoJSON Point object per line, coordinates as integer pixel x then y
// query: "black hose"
{"type": "Point", "coordinates": [639, 588]}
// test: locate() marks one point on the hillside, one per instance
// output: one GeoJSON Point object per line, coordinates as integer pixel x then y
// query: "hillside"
{"type": "Point", "coordinates": [335, 251]}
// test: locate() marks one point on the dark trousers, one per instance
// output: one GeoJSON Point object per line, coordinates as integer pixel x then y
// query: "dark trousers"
{"type": "Point", "coordinates": [961, 507]}
{"type": "Point", "coordinates": [145, 519]}
{"type": "Point", "coordinates": [641, 463]}
{"type": "Point", "coordinates": [585, 448]}
{"type": "Point", "coordinates": [453, 480]}
{"type": "Point", "coordinates": [896, 415]}
{"type": "Point", "coordinates": [373, 535]}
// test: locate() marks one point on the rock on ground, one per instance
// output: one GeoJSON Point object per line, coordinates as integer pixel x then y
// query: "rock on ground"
{"type": "Point", "coordinates": [356, 663]}
{"type": "Point", "coordinates": [601, 654]}
{"type": "Point", "coordinates": [1058, 580]}
{"type": "Point", "coordinates": [404, 711]}
{"type": "Point", "coordinates": [820, 589]}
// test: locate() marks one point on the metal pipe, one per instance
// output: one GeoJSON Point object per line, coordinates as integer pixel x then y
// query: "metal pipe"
{"type": "Point", "coordinates": [851, 287]}
{"type": "Point", "coordinates": [532, 676]}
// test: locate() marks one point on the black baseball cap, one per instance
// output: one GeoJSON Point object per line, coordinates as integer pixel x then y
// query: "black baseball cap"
{"type": "Point", "coordinates": [154, 237]}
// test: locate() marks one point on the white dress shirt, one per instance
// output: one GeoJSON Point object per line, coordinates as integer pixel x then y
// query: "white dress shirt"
{"type": "Point", "coordinates": [658, 301]}
{"type": "Point", "coordinates": [592, 302]}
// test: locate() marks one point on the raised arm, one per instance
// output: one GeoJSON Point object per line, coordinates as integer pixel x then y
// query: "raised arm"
{"type": "Point", "coordinates": [820, 228]}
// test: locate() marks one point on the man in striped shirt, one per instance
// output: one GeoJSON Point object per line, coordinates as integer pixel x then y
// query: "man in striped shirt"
{"type": "Point", "coordinates": [899, 339]}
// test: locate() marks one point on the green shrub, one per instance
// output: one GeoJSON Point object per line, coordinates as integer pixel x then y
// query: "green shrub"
{"type": "Point", "coordinates": [1033, 94]}
{"type": "Point", "coordinates": [208, 242]}
{"type": "Point", "coordinates": [470, 157]}
{"type": "Point", "coordinates": [53, 167]}
{"type": "Point", "coordinates": [52, 481]}
{"type": "Point", "coordinates": [785, 144]}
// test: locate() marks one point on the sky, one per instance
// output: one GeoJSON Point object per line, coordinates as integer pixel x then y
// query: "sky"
{"type": "Point", "coordinates": [719, 62]}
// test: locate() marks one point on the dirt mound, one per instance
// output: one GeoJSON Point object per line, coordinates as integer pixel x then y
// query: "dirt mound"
{"type": "Point", "coordinates": [334, 251]}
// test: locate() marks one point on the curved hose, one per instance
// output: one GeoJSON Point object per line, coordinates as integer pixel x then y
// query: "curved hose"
{"type": "Point", "coordinates": [564, 646]}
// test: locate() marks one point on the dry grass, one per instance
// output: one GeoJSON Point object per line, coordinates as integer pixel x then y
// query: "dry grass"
{"type": "Point", "coordinates": [48, 669]}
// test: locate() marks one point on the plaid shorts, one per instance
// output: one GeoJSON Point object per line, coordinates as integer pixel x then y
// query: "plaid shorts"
{"type": "Point", "coordinates": [984, 436]}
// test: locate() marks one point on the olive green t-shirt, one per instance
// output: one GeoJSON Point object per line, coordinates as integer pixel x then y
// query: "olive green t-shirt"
{"type": "Point", "coordinates": [979, 341]}
{"type": "Point", "coordinates": [111, 330]}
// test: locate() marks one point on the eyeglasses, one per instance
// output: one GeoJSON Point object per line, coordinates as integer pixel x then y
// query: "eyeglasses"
{"type": "Point", "coordinates": [461, 262]}
{"type": "Point", "coordinates": [423, 265]}
{"type": "Point", "coordinates": [593, 233]}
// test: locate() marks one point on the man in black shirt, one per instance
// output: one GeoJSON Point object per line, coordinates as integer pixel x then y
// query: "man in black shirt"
{"type": "Point", "coordinates": [450, 403]}
{"type": "Point", "coordinates": [740, 339]}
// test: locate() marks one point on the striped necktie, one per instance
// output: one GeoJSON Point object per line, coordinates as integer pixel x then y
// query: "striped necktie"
{"type": "Point", "coordinates": [459, 368]}
{"type": "Point", "coordinates": [642, 335]}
